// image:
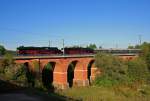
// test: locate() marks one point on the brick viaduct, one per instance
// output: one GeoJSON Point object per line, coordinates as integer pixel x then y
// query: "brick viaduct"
{"type": "Point", "coordinates": [83, 73]}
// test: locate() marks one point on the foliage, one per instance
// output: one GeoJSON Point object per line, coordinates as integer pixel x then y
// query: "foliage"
{"type": "Point", "coordinates": [92, 46]}
{"type": "Point", "coordinates": [138, 70]}
{"type": "Point", "coordinates": [2, 50]}
{"type": "Point", "coordinates": [8, 67]}
{"type": "Point", "coordinates": [145, 52]}
{"type": "Point", "coordinates": [148, 60]}
{"type": "Point", "coordinates": [145, 49]}
{"type": "Point", "coordinates": [6, 63]}
{"type": "Point", "coordinates": [130, 47]}
{"type": "Point", "coordinates": [117, 93]}
{"type": "Point", "coordinates": [114, 70]}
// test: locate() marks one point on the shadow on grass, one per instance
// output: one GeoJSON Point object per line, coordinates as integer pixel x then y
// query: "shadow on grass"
{"type": "Point", "coordinates": [12, 92]}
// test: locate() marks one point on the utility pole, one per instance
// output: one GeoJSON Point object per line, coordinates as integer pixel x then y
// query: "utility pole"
{"type": "Point", "coordinates": [49, 44]}
{"type": "Point", "coordinates": [140, 39]}
{"type": "Point", "coordinates": [116, 46]}
{"type": "Point", "coordinates": [63, 46]}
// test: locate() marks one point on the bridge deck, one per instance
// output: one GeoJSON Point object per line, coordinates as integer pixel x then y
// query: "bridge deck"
{"type": "Point", "coordinates": [62, 56]}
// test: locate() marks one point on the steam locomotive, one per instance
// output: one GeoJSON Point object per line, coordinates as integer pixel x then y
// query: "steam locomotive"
{"type": "Point", "coordinates": [52, 51]}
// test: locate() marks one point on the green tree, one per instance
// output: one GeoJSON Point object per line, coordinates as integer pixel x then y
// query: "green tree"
{"type": "Point", "coordinates": [2, 50]}
{"type": "Point", "coordinates": [92, 46]}
{"type": "Point", "coordinates": [131, 47]}
{"type": "Point", "coordinates": [6, 62]}
{"type": "Point", "coordinates": [145, 52]}
{"type": "Point", "coordinates": [113, 69]}
{"type": "Point", "coordinates": [7, 67]}
{"type": "Point", "coordinates": [138, 70]}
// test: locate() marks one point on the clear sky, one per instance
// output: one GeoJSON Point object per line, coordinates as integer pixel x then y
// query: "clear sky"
{"type": "Point", "coordinates": [107, 23]}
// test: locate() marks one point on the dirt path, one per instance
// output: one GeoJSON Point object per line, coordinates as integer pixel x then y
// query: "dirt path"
{"type": "Point", "coordinates": [19, 97]}
{"type": "Point", "coordinates": [11, 92]}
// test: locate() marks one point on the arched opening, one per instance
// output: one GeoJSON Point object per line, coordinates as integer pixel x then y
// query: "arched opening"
{"type": "Point", "coordinates": [47, 75]}
{"type": "Point", "coordinates": [89, 71]}
{"type": "Point", "coordinates": [70, 73]}
{"type": "Point", "coordinates": [29, 74]}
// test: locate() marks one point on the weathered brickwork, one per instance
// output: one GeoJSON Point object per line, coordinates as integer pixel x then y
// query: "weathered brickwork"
{"type": "Point", "coordinates": [61, 67]}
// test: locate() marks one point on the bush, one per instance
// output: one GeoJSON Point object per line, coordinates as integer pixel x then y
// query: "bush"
{"type": "Point", "coordinates": [114, 70]}
{"type": "Point", "coordinates": [24, 76]}
{"type": "Point", "coordinates": [2, 50]}
{"type": "Point", "coordinates": [138, 70]}
{"type": "Point", "coordinates": [7, 67]}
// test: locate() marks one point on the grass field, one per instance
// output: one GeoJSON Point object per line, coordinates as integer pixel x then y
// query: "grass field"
{"type": "Point", "coordinates": [118, 93]}
{"type": "Point", "coordinates": [134, 92]}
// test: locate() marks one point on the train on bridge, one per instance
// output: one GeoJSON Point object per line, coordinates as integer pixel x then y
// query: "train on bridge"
{"type": "Point", "coordinates": [52, 51]}
{"type": "Point", "coordinates": [70, 51]}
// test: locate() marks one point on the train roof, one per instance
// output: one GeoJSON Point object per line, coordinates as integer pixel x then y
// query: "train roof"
{"type": "Point", "coordinates": [118, 49]}
{"type": "Point", "coordinates": [36, 48]}
{"type": "Point", "coordinates": [76, 48]}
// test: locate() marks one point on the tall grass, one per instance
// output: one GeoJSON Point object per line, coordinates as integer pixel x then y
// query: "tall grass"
{"type": "Point", "coordinates": [115, 93]}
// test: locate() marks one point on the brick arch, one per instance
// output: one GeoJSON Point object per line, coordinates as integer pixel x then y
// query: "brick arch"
{"type": "Point", "coordinates": [53, 63]}
{"type": "Point", "coordinates": [89, 70]}
{"type": "Point", "coordinates": [80, 72]}
{"type": "Point", "coordinates": [28, 66]}
{"type": "Point", "coordinates": [43, 63]}
{"type": "Point", "coordinates": [94, 71]}
{"type": "Point", "coordinates": [70, 72]}
{"type": "Point", "coordinates": [60, 72]}
{"type": "Point", "coordinates": [48, 75]}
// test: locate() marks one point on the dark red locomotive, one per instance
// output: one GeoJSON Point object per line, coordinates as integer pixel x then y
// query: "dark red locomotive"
{"type": "Point", "coordinates": [38, 51]}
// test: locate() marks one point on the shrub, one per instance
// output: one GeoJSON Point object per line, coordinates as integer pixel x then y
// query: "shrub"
{"type": "Point", "coordinates": [138, 70]}
{"type": "Point", "coordinates": [7, 66]}
{"type": "Point", "coordinates": [2, 50]}
{"type": "Point", "coordinates": [114, 70]}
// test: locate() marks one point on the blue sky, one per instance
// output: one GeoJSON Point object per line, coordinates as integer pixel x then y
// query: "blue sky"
{"type": "Point", "coordinates": [106, 23]}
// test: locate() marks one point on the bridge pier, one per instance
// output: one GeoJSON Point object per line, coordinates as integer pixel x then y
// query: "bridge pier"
{"type": "Point", "coordinates": [80, 74]}
{"type": "Point", "coordinates": [80, 78]}
{"type": "Point", "coordinates": [60, 80]}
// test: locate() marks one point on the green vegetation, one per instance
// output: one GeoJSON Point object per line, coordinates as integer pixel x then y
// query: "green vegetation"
{"type": "Point", "coordinates": [2, 50]}
{"type": "Point", "coordinates": [145, 54]}
{"type": "Point", "coordinates": [92, 46]}
{"type": "Point", "coordinates": [7, 67]}
{"type": "Point", "coordinates": [135, 92]}
{"type": "Point", "coordinates": [116, 71]}
{"type": "Point", "coordinates": [138, 70]}
{"type": "Point", "coordinates": [113, 69]}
